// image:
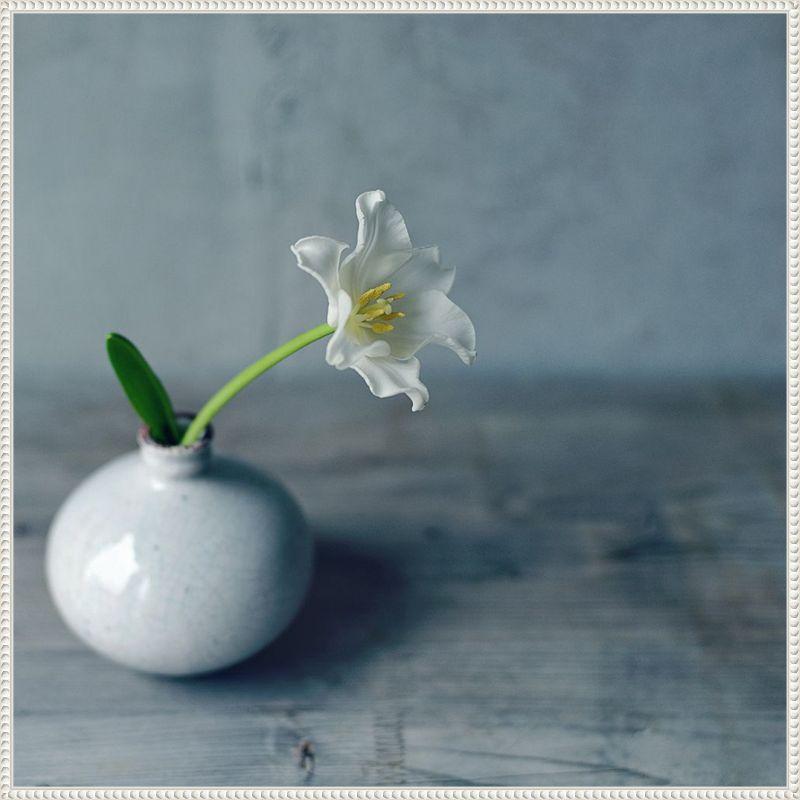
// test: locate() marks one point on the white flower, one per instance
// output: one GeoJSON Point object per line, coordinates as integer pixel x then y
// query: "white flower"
{"type": "Point", "coordinates": [386, 300]}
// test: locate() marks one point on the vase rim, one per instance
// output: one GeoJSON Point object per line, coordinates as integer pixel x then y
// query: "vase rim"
{"type": "Point", "coordinates": [146, 441]}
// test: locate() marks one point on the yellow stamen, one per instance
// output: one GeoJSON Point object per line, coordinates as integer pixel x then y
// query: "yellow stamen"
{"type": "Point", "coordinates": [376, 310]}
{"type": "Point", "coordinates": [372, 294]}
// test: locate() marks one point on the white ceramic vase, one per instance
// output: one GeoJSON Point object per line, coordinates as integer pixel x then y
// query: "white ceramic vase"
{"type": "Point", "coordinates": [175, 561]}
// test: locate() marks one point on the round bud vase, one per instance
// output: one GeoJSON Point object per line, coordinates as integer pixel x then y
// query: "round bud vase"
{"type": "Point", "coordinates": [175, 561]}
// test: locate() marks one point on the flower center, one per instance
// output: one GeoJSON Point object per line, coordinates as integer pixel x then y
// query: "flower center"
{"type": "Point", "coordinates": [373, 310]}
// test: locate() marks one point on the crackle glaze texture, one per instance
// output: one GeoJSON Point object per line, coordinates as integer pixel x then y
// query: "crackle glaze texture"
{"type": "Point", "coordinates": [172, 561]}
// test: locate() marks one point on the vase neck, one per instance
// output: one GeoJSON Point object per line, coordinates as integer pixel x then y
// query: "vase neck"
{"type": "Point", "coordinates": [176, 461]}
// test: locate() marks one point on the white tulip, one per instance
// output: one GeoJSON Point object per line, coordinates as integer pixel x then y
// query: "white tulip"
{"type": "Point", "coordinates": [386, 300]}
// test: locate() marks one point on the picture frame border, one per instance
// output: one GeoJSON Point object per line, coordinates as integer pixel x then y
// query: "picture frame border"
{"type": "Point", "coordinates": [791, 10]}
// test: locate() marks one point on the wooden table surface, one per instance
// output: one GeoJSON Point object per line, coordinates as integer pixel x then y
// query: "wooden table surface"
{"type": "Point", "coordinates": [553, 583]}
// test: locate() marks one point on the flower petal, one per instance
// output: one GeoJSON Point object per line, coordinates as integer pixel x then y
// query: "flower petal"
{"type": "Point", "coordinates": [383, 244]}
{"type": "Point", "coordinates": [320, 257]}
{"type": "Point", "coordinates": [424, 271]}
{"type": "Point", "coordinates": [387, 377]}
{"type": "Point", "coordinates": [349, 343]}
{"type": "Point", "coordinates": [432, 318]}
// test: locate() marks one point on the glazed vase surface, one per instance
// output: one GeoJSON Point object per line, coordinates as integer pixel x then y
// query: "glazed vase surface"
{"type": "Point", "coordinates": [175, 561]}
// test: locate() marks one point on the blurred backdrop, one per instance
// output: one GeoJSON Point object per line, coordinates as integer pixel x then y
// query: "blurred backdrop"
{"type": "Point", "coordinates": [611, 188]}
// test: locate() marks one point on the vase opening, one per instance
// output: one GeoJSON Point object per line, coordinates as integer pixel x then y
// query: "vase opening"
{"type": "Point", "coordinates": [175, 461]}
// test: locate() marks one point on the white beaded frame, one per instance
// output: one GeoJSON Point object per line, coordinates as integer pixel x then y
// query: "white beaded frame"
{"type": "Point", "coordinates": [791, 10]}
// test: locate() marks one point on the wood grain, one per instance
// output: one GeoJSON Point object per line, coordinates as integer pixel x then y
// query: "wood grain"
{"type": "Point", "coordinates": [562, 583]}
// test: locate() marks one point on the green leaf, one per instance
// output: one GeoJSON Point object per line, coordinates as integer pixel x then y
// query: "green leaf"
{"type": "Point", "coordinates": [143, 388]}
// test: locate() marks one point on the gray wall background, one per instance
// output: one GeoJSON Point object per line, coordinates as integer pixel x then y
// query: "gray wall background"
{"type": "Point", "coordinates": [611, 188]}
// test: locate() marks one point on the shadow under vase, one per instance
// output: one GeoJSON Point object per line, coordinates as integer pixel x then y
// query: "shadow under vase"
{"type": "Point", "coordinates": [357, 605]}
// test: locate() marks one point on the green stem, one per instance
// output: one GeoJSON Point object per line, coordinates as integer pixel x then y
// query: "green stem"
{"type": "Point", "coordinates": [247, 376]}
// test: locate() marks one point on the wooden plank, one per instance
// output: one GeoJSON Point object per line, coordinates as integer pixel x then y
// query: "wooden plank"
{"type": "Point", "coordinates": [560, 584]}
